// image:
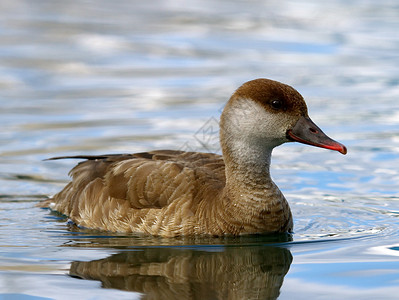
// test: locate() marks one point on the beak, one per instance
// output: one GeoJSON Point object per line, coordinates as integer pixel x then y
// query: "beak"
{"type": "Point", "coordinates": [307, 132]}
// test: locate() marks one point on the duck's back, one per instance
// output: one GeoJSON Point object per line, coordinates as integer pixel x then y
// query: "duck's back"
{"type": "Point", "coordinates": [143, 192]}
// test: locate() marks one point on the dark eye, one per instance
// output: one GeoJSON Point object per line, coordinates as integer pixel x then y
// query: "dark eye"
{"type": "Point", "coordinates": [276, 104]}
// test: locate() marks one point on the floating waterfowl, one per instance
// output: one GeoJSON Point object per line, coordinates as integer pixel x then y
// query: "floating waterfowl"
{"type": "Point", "coordinates": [175, 193]}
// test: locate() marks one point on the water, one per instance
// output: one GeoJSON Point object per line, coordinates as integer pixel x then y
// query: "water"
{"type": "Point", "coordinates": [98, 77]}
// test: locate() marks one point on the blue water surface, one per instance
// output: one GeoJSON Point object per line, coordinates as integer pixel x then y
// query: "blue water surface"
{"type": "Point", "coordinates": [95, 77]}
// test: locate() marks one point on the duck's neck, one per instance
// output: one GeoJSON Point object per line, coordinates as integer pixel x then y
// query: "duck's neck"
{"type": "Point", "coordinates": [248, 171]}
{"type": "Point", "coordinates": [250, 196]}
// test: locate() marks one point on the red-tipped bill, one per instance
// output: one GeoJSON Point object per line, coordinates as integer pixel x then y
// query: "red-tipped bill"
{"type": "Point", "coordinates": [307, 132]}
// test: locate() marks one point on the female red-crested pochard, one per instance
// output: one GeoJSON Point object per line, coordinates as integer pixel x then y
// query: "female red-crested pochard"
{"type": "Point", "coordinates": [174, 193]}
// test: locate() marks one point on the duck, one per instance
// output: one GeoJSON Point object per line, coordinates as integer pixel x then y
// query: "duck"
{"type": "Point", "coordinates": [171, 193]}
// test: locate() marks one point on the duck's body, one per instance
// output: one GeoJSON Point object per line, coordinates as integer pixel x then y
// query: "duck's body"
{"type": "Point", "coordinates": [172, 193]}
{"type": "Point", "coordinates": [168, 193]}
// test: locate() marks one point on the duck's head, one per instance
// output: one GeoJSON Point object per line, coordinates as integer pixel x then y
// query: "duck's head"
{"type": "Point", "coordinates": [263, 114]}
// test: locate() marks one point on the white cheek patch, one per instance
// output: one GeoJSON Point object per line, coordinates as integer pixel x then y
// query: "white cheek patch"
{"type": "Point", "coordinates": [248, 118]}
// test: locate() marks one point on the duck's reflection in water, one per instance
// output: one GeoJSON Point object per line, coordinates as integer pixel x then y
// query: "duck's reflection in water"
{"type": "Point", "coordinates": [176, 273]}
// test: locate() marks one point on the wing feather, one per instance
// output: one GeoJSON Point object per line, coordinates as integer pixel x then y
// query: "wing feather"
{"type": "Point", "coordinates": [153, 179]}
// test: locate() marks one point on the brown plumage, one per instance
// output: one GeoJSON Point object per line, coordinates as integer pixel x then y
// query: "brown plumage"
{"type": "Point", "coordinates": [171, 193]}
